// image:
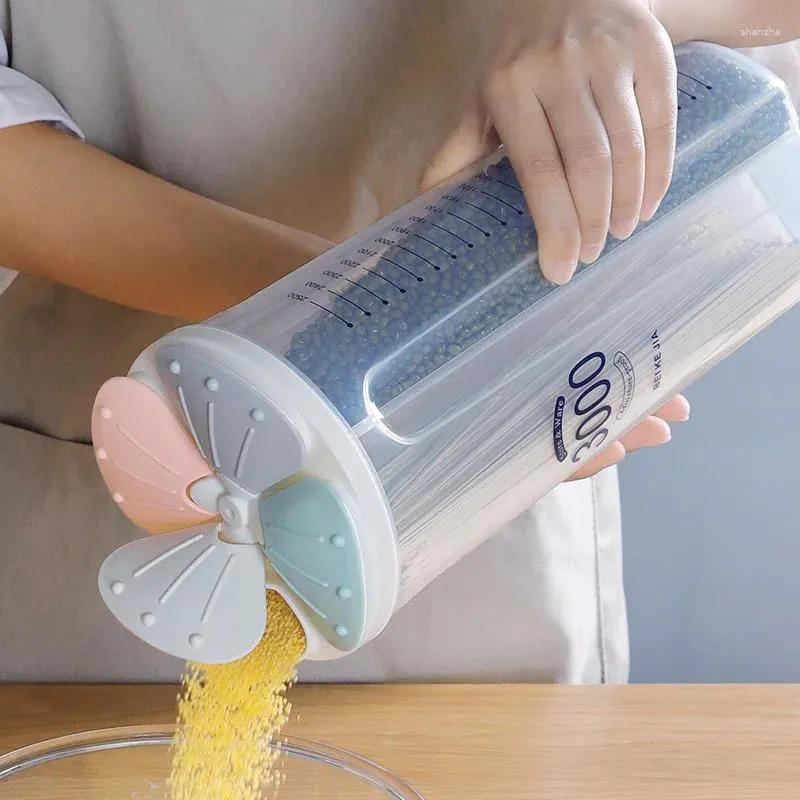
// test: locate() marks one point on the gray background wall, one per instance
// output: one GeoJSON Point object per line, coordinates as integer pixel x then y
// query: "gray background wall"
{"type": "Point", "coordinates": [712, 526]}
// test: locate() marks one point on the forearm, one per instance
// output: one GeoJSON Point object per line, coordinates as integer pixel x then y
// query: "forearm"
{"type": "Point", "coordinates": [73, 214]}
{"type": "Point", "coordinates": [734, 23]}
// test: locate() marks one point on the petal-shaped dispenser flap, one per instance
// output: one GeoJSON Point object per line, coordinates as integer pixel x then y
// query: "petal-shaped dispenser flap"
{"type": "Point", "coordinates": [189, 594]}
{"type": "Point", "coordinates": [146, 457]}
{"type": "Point", "coordinates": [310, 541]}
{"type": "Point", "coordinates": [245, 438]}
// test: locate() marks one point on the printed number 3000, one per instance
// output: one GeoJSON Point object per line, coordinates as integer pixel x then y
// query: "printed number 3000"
{"type": "Point", "coordinates": [590, 407]}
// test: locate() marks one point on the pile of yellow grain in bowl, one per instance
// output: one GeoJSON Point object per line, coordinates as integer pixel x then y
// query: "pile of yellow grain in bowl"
{"type": "Point", "coordinates": [229, 714]}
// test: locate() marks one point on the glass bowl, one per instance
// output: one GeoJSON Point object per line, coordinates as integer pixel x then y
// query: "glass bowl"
{"type": "Point", "coordinates": [132, 763]}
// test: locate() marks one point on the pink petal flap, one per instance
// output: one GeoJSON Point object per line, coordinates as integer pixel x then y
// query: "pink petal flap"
{"type": "Point", "coordinates": [147, 458]}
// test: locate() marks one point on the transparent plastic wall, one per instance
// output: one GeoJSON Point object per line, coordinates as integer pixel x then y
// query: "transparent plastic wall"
{"type": "Point", "coordinates": [474, 385]}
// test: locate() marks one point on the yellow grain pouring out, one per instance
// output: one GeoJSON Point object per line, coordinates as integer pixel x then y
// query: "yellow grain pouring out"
{"type": "Point", "coordinates": [228, 713]}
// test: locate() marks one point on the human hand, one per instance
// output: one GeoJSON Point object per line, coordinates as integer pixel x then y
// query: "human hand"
{"type": "Point", "coordinates": [652, 432]}
{"type": "Point", "coordinates": [583, 96]}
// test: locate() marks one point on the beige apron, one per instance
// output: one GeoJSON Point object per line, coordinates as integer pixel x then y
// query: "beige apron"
{"type": "Point", "coordinates": [56, 348]}
{"type": "Point", "coordinates": [234, 100]}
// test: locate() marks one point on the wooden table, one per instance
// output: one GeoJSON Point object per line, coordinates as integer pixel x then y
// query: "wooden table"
{"type": "Point", "coordinates": [503, 742]}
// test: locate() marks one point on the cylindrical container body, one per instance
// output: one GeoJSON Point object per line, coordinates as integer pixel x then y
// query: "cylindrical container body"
{"type": "Point", "coordinates": [475, 386]}
{"type": "Point", "coordinates": [379, 413]}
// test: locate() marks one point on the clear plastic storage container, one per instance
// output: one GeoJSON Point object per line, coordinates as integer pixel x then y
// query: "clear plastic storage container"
{"type": "Point", "coordinates": [376, 415]}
